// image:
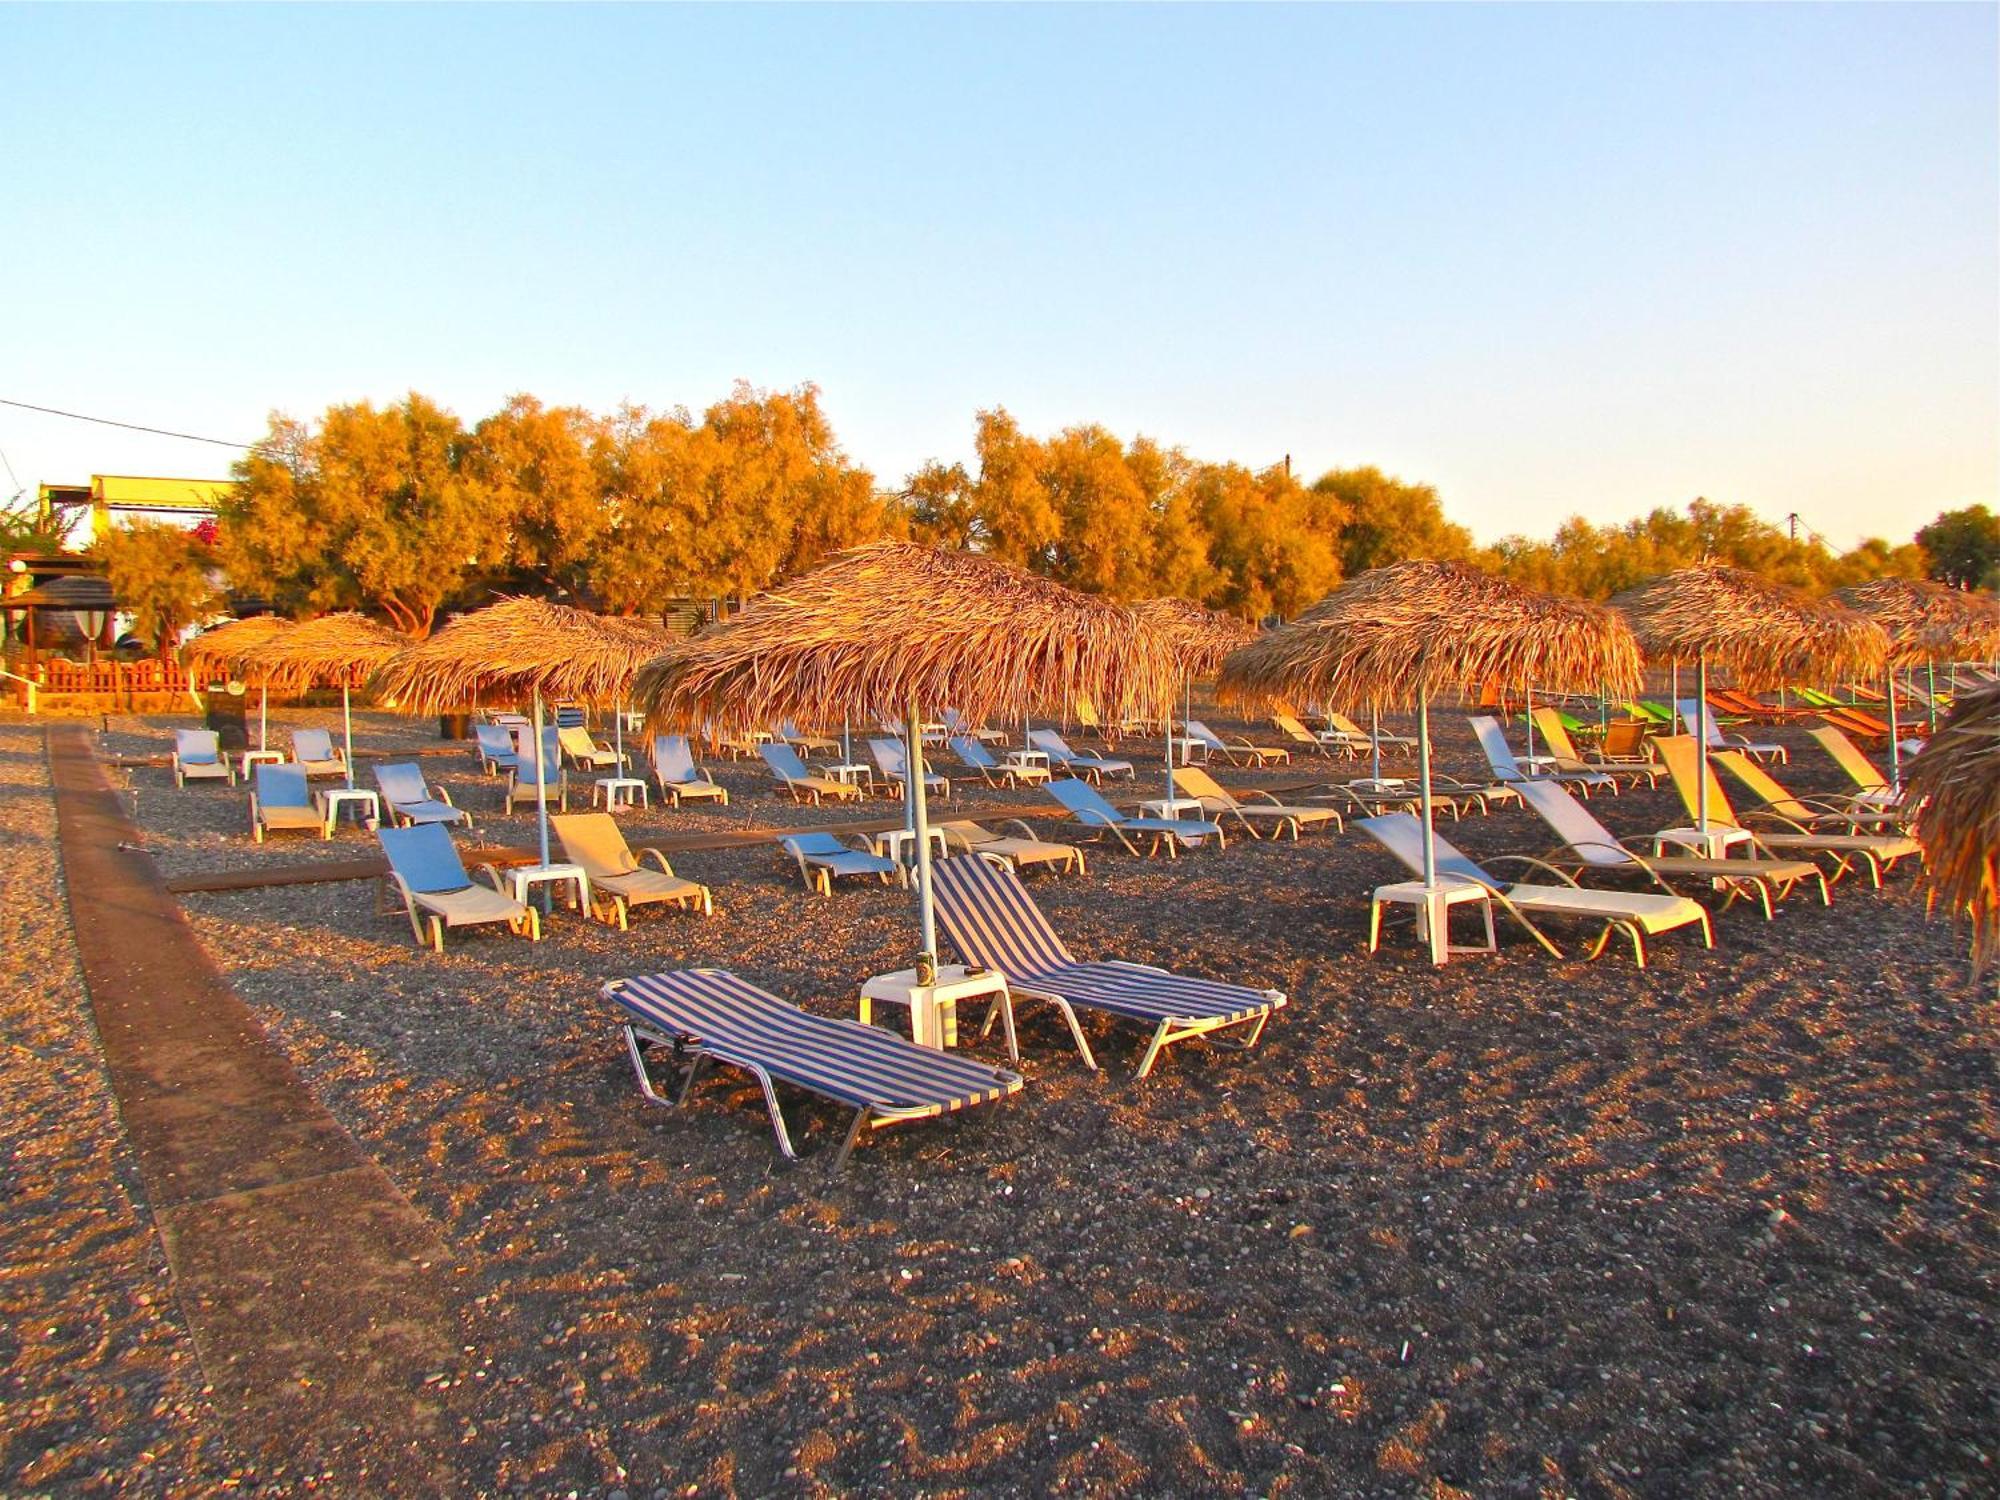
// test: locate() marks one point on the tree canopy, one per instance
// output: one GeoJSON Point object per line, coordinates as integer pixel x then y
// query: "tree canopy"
{"type": "Point", "coordinates": [406, 511]}
{"type": "Point", "coordinates": [163, 574]}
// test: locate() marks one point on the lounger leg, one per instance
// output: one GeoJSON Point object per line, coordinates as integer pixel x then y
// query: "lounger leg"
{"type": "Point", "coordinates": [1374, 926]}
{"type": "Point", "coordinates": [854, 1130]}
{"type": "Point", "coordinates": [1076, 1032]}
{"type": "Point", "coordinates": [777, 1116]}
{"type": "Point", "coordinates": [1152, 1051]}
{"type": "Point", "coordinates": [1707, 932]}
{"type": "Point", "coordinates": [437, 934]}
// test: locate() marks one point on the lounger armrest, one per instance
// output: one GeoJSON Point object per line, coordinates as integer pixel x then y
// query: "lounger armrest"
{"type": "Point", "coordinates": [1260, 795]}
{"type": "Point", "coordinates": [1766, 815]}
{"type": "Point", "coordinates": [491, 873]}
{"type": "Point", "coordinates": [1538, 864]}
{"type": "Point", "coordinates": [657, 858]}
{"type": "Point", "coordinates": [442, 795]}
{"type": "Point", "coordinates": [1026, 831]}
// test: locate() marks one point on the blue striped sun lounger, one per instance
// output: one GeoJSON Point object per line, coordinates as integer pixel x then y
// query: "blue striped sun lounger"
{"type": "Point", "coordinates": [712, 1015]}
{"type": "Point", "coordinates": [993, 921]}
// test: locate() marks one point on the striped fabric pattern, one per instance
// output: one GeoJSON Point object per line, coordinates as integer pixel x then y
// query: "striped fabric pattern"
{"type": "Point", "coordinates": [856, 1065]}
{"type": "Point", "coordinates": [993, 921]}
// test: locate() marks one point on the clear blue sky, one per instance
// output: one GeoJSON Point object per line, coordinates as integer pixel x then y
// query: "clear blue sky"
{"type": "Point", "coordinates": [1552, 259]}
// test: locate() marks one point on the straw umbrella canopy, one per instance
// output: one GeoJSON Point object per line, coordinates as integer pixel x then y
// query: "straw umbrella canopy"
{"type": "Point", "coordinates": [227, 648]}
{"type": "Point", "coordinates": [1955, 780]}
{"type": "Point", "coordinates": [1767, 633]}
{"type": "Point", "coordinates": [898, 630]}
{"type": "Point", "coordinates": [1926, 622]}
{"type": "Point", "coordinates": [1403, 633]}
{"type": "Point", "coordinates": [1201, 638]}
{"type": "Point", "coordinates": [529, 648]}
{"type": "Point", "coordinates": [343, 648]}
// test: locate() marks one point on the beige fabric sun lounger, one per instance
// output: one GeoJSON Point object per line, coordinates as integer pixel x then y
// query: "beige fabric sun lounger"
{"type": "Point", "coordinates": [1276, 817]}
{"type": "Point", "coordinates": [1019, 851]}
{"type": "Point", "coordinates": [594, 841]}
{"type": "Point", "coordinates": [1638, 915]}
{"type": "Point", "coordinates": [1773, 832]}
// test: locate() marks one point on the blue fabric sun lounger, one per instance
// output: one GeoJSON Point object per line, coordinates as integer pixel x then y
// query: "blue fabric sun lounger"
{"type": "Point", "coordinates": [1087, 805]}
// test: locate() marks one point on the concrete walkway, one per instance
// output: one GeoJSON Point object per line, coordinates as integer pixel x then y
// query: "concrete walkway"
{"type": "Point", "coordinates": [315, 1293]}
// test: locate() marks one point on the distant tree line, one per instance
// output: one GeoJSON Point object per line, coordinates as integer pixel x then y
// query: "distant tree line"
{"type": "Point", "coordinates": [405, 510]}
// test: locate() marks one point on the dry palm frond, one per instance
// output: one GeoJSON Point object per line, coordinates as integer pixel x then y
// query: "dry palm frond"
{"type": "Point", "coordinates": [333, 650]}
{"type": "Point", "coordinates": [228, 646]}
{"type": "Point", "coordinates": [1767, 634]}
{"type": "Point", "coordinates": [520, 646]}
{"type": "Point", "coordinates": [1927, 621]}
{"type": "Point", "coordinates": [886, 626]}
{"type": "Point", "coordinates": [1956, 779]}
{"type": "Point", "coordinates": [1412, 630]}
{"type": "Point", "coordinates": [1201, 637]}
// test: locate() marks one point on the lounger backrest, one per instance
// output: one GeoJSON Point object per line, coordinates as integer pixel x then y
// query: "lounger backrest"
{"type": "Point", "coordinates": [1084, 801]}
{"type": "Point", "coordinates": [1624, 740]}
{"type": "Point", "coordinates": [311, 744]}
{"type": "Point", "coordinates": [494, 741]}
{"type": "Point", "coordinates": [528, 770]}
{"type": "Point", "coordinates": [577, 741]}
{"type": "Point", "coordinates": [1341, 724]}
{"type": "Point", "coordinates": [282, 786]}
{"type": "Point", "coordinates": [992, 920]}
{"type": "Point", "coordinates": [1493, 743]}
{"type": "Point", "coordinates": [815, 843]}
{"type": "Point", "coordinates": [1286, 724]}
{"type": "Point", "coordinates": [1193, 781]}
{"type": "Point", "coordinates": [594, 841]}
{"type": "Point", "coordinates": [1051, 744]}
{"type": "Point", "coordinates": [1693, 720]}
{"type": "Point", "coordinates": [673, 760]}
{"type": "Point", "coordinates": [1200, 731]}
{"type": "Point", "coordinates": [974, 754]}
{"type": "Point", "coordinates": [1847, 755]}
{"type": "Point", "coordinates": [402, 784]}
{"type": "Point", "coordinates": [424, 857]}
{"type": "Point", "coordinates": [570, 716]}
{"type": "Point", "coordinates": [1678, 751]}
{"type": "Point", "coordinates": [784, 760]}
{"type": "Point", "coordinates": [1574, 824]}
{"type": "Point", "coordinates": [1403, 836]}
{"type": "Point", "coordinates": [1086, 714]}
{"type": "Point", "coordinates": [197, 747]}
{"type": "Point", "coordinates": [887, 755]}
{"type": "Point", "coordinates": [1555, 734]}
{"type": "Point", "coordinates": [1763, 786]}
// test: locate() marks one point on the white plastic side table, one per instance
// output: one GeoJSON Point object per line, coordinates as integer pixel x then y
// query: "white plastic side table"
{"type": "Point", "coordinates": [1434, 904]}
{"type": "Point", "coordinates": [899, 844]}
{"type": "Point", "coordinates": [848, 773]}
{"type": "Point", "coordinates": [522, 878]}
{"type": "Point", "coordinates": [262, 758]}
{"type": "Point", "coordinates": [617, 792]}
{"type": "Point", "coordinates": [934, 1007]}
{"type": "Point", "coordinates": [1163, 807]}
{"type": "Point", "coordinates": [1713, 842]}
{"type": "Point", "coordinates": [365, 803]}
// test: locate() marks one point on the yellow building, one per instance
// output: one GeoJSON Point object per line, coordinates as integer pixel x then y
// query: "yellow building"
{"type": "Point", "coordinates": [88, 511]}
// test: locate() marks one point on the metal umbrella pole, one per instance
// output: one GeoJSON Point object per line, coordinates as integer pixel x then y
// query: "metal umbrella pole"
{"type": "Point", "coordinates": [1375, 741]}
{"type": "Point", "coordinates": [347, 731]}
{"type": "Point", "coordinates": [1529, 714]}
{"type": "Point", "coordinates": [913, 771]}
{"type": "Point", "coordinates": [1895, 734]}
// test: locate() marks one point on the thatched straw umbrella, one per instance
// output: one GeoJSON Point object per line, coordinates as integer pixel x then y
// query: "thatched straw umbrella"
{"type": "Point", "coordinates": [1403, 633]}
{"type": "Point", "coordinates": [227, 647]}
{"type": "Point", "coordinates": [345, 648]}
{"type": "Point", "coordinates": [525, 648]}
{"type": "Point", "coordinates": [1955, 782]}
{"type": "Point", "coordinates": [1767, 633]}
{"type": "Point", "coordinates": [1926, 623]}
{"type": "Point", "coordinates": [896, 630]}
{"type": "Point", "coordinates": [1201, 638]}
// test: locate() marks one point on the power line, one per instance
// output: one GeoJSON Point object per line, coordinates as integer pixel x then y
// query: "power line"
{"type": "Point", "coordinates": [77, 416]}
